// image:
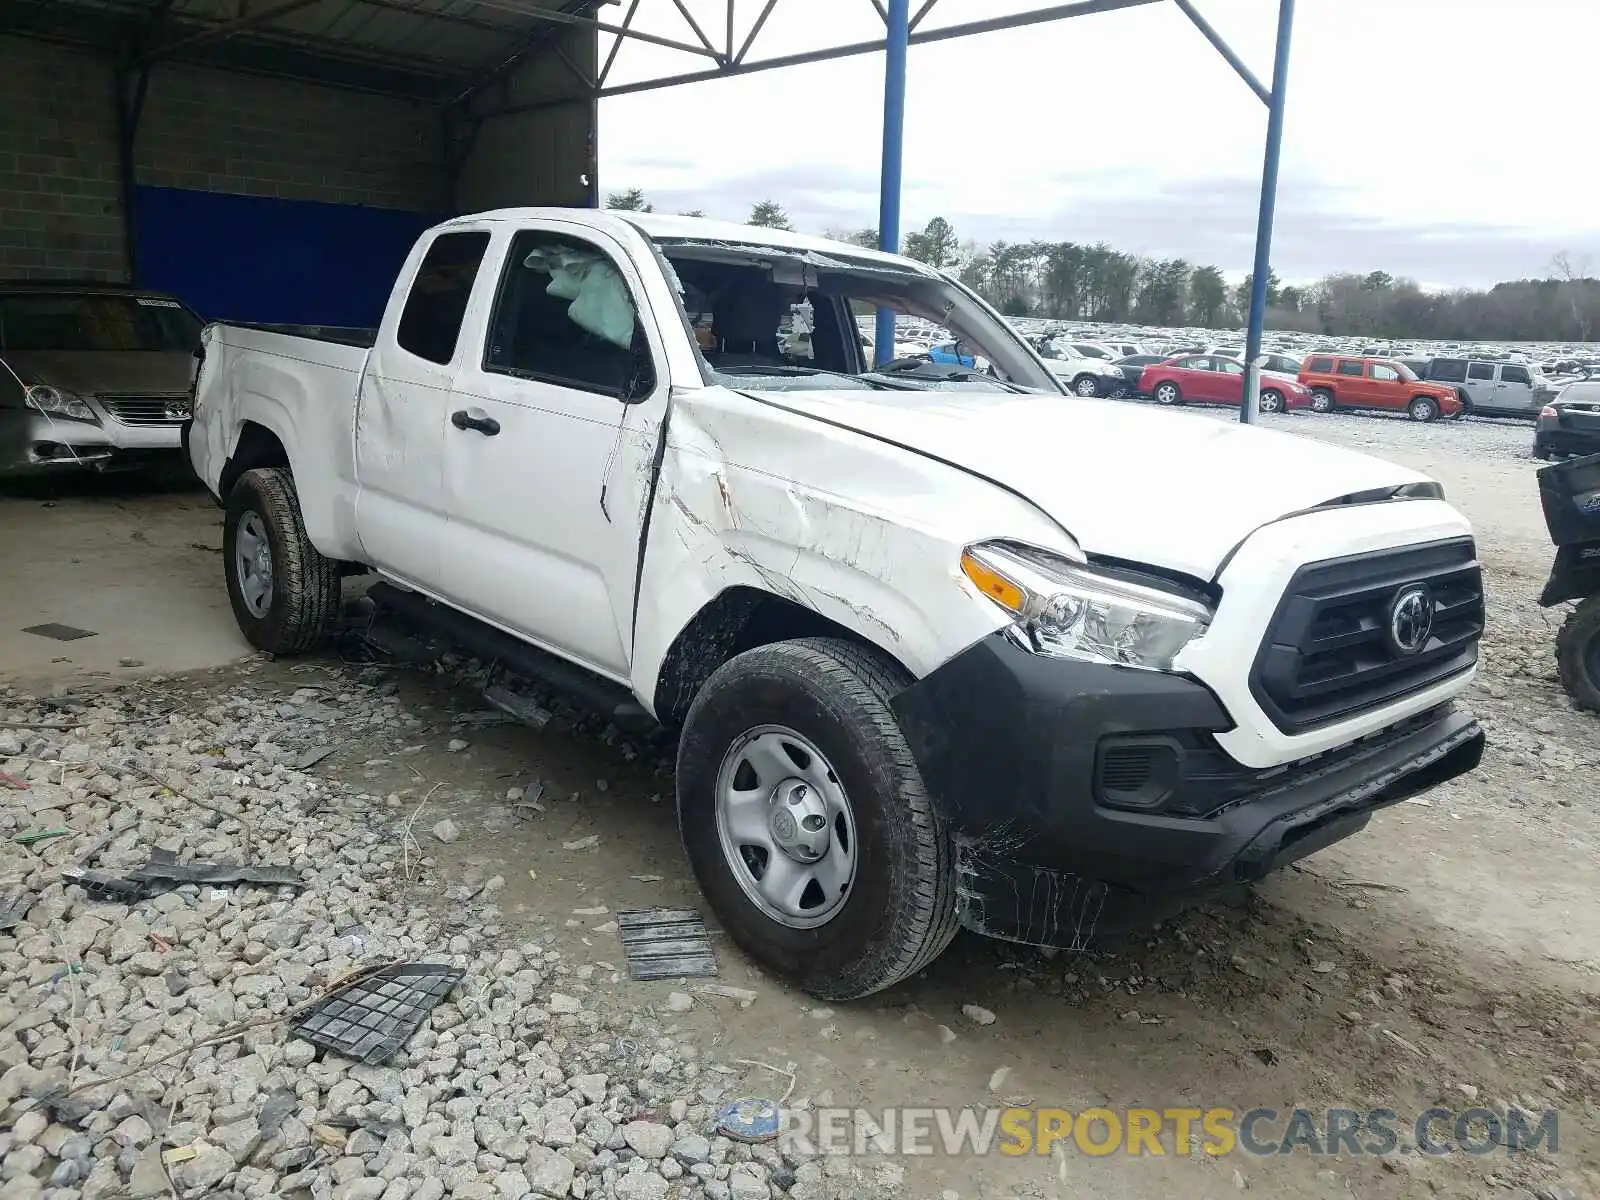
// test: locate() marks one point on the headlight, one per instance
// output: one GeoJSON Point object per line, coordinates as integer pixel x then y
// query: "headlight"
{"type": "Point", "coordinates": [1068, 610]}
{"type": "Point", "coordinates": [55, 403]}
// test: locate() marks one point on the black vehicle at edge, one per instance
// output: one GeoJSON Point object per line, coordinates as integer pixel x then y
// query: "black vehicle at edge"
{"type": "Point", "coordinates": [1570, 495]}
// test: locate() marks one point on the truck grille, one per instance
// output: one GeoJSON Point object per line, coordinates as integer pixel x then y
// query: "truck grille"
{"type": "Point", "coordinates": [1331, 652]}
{"type": "Point", "coordinates": [146, 408]}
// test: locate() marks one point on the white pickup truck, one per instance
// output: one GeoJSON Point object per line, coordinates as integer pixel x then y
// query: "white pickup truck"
{"type": "Point", "coordinates": [941, 649]}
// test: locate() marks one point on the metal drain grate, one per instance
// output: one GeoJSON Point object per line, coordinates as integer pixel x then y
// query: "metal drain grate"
{"type": "Point", "coordinates": [372, 1019]}
{"type": "Point", "coordinates": [665, 943]}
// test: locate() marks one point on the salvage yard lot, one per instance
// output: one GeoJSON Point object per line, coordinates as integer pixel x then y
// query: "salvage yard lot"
{"type": "Point", "coordinates": [1449, 956]}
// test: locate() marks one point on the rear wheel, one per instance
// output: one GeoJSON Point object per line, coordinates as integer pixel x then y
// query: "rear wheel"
{"type": "Point", "coordinates": [1167, 392]}
{"type": "Point", "coordinates": [1578, 654]}
{"type": "Point", "coordinates": [807, 822]}
{"type": "Point", "coordinates": [1322, 400]}
{"type": "Point", "coordinates": [1271, 401]}
{"type": "Point", "coordinates": [1423, 408]}
{"type": "Point", "coordinates": [285, 595]}
{"type": "Point", "coordinates": [1086, 385]}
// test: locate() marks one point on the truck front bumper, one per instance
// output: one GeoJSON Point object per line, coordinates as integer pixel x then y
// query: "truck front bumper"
{"type": "Point", "coordinates": [1089, 800]}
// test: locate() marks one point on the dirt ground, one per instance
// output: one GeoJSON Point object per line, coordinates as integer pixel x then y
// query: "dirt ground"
{"type": "Point", "coordinates": [1448, 956]}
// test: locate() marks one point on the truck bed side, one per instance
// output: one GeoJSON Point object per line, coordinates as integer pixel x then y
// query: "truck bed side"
{"type": "Point", "coordinates": [264, 398]}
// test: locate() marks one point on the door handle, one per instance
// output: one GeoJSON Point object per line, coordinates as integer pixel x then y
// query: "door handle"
{"type": "Point", "coordinates": [487, 426]}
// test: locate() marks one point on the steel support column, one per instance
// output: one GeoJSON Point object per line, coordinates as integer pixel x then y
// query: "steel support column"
{"type": "Point", "coordinates": [1248, 405]}
{"type": "Point", "coordinates": [894, 125]}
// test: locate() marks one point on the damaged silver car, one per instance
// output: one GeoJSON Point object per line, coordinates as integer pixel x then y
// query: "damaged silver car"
{"type": "Point", "coordinates": [92, 376]}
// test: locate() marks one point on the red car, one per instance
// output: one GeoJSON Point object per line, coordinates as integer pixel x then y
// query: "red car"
{"type": "Point", "coordinates": [1214, 379]}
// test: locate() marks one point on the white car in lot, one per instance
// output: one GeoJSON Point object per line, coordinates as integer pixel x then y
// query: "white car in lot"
{"type": "Point", "coordinates": [939, 652]}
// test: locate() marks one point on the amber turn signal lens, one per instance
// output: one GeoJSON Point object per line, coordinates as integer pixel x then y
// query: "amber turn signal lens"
{"type": "Point", "coordinates": [992, 584]}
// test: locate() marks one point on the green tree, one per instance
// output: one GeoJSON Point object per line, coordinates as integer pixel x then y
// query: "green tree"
{"type": "Point", "coordinates": [1208, 296]}
{"type": "Point", "coordinates": [1241, 294]}
{"type": "Point", "coordinates": [631, 200]}
{"type": "Point", "coordinates": [1378, 281]}
{"type": "Point", "coordinates": [937, 245]}
{"type": "Point", "coordinates": [1163, 291]}
{"type": "Point", "coordinates": [769, 214]}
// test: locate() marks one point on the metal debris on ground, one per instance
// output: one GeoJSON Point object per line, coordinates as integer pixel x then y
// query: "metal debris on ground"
{"type": "Point", "coordinates": [372, 1019]}
{"type": "Point", "coordinates": [14, 907]}
{"type": "Point", "coordinates": [313, 756]}
{"type": "Point", "coordinates": [665, 943]}
{"type": "Point", "coordinates": [60, 633]}
{"type": "Point", "coordinates": [752, 1120]}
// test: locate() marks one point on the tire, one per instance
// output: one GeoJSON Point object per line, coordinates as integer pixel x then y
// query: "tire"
{"type": "Point", "coordinates": [1578, 654]}
{"type": "Point", "coordinates": [898, 909]}
{"type": "Point", "coordinates": [1466, 401]}
{"type": "Point", "coordinates": [1322, 400]}
{"type": "Point", "coordinates": [1086, 386]}
{"type": "Point", "coordinates": [1167, 393]}
{"type": "Point", "coordinates": [302, 600]}
{"type": "Point", "coordinates": [1270, 401]}
{"type": "Point", "coordinates": [1423, 408]}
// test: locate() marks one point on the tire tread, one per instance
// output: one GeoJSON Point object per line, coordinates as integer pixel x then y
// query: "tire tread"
{"type": "Point", "coordinates": [1580, 628]}
{"type": "Point", "coordinates": [306, 583]}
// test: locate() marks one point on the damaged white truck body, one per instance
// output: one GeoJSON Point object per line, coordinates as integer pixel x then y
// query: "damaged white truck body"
{"type": "Point", "coordinates": [942, 649]}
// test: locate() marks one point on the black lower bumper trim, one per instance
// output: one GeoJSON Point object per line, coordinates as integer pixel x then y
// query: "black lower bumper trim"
{"type": "Point", "coordinates": [1007, 743]}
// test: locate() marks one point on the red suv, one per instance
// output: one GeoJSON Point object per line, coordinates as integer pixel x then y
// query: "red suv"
{"type": "Point", "coordinates": [1338, 381]}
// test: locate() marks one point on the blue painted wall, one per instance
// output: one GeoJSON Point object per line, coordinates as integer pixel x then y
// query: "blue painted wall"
{"type": "Point", "coordinates": [251, 258]}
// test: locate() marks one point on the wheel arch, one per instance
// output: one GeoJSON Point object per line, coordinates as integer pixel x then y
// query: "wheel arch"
{"type": "Point", "coordinates": [737, 619]}
{"type": "Point", "coordinates": [254, 446]}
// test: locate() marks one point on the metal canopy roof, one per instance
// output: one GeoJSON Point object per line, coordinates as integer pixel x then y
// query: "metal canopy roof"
{"type": "Point", "coordinates": [443, 51]}
{"type": "Point", "coordinates": [430, 50]}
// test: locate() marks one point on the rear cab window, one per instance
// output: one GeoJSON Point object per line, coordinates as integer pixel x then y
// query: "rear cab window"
{"type": "Point", "coordinates": [1320, 366]}
{"type": "Point", "coordinates": [430, 323]}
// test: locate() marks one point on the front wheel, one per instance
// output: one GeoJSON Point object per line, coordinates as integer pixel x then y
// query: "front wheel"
{"type": "Point", "coordinates": [1271, 401]}
{"type": "Point", "coordinates": [1321, 401]}
{"type": "Point", "coordinates": [1086, 385]}
{"type": "Point", "coordinates": [1167, 393]}
{"type": "Point", "coordinates": [1578, 654]}
{"type": "Point", "coordinates": [807, 822]}
{"type": "Point", "coordinates": [1423, 408]}
{"type": "Point", "coordinates": [285, 595]}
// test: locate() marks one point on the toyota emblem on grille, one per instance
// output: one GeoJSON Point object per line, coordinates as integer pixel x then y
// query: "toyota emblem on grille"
{"type": "Point", "coordinates": [1411, 620]}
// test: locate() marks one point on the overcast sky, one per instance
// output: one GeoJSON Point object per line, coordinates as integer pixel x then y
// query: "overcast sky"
{"type": "Point", "coordinates": [1446, 140]}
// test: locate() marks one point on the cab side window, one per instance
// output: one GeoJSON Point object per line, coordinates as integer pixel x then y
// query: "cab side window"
{"type": "Point", "coordinates": [1480, 370]}
{"type": "Point", "coordinates": [565, 315]}
{"type": "Point", "coordinates": [430, 323]}
{"type": "Point", "coordinates": [1320, 366]}
{"type": "Point", "coordinates": [1509, 374]}
{"type": "Point", "coordinates": [1385, 374]}
{"type": "Point", "coordinates": [1351, 366]}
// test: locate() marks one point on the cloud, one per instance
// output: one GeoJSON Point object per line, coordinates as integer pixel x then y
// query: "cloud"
{"type": "Point", "coordinates": [1318, 229]}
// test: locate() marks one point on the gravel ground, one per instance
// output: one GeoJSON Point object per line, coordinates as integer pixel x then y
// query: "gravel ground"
{"type": "Point", "coordinates": [1448, 955]}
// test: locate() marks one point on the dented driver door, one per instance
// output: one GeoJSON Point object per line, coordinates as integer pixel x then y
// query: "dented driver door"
{"type": "Point", "coordinates": [550, 438]}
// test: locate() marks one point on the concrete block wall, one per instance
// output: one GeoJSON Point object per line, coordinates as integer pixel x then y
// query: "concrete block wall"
{"type": "Point", "coordinates": [60, 206]}
{"type": "Point", "coordinates": [60, 197]}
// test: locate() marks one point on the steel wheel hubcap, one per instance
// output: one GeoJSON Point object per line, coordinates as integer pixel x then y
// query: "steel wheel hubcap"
{"type": "Point", "coordinates": [786, 827]}
{"type": "Point", "coordinates": [252, 564]}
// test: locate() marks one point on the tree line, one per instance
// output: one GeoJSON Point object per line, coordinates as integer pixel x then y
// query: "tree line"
{"type": "Point", "coordinates": [1071, 281]}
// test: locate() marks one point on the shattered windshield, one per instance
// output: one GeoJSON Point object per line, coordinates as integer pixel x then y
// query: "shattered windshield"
{"type": "Point", "coordinates": [778, 319]}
